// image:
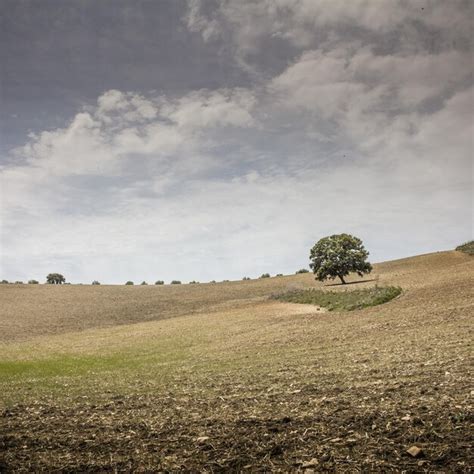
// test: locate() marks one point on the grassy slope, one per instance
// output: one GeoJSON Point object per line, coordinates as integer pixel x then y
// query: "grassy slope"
{"type": "Point", "coordinates": [467, 247]}
{"type": "Point", "coordinates": [342, 300]}
{"type": "Point", "coordinates": [271, 385]}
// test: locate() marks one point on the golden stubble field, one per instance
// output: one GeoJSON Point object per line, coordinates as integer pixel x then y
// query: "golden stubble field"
{"type": "Point", "coordinates": [218, 377]}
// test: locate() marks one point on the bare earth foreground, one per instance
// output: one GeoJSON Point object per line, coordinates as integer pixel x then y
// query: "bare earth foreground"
{"type": "Point", "coordinates": [218, 377]}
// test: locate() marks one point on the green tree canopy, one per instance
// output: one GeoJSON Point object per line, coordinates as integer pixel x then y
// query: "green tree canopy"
{"type": "Point", "coordinates": [337, 256]}
{"type": "Point", "coordinates": [55, 279]}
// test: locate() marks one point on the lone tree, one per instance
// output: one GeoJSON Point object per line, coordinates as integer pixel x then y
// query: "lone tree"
{"type": "Point", "coordinates": [337, 256]}
{"type": "Point", "coordinates": [55, 279]}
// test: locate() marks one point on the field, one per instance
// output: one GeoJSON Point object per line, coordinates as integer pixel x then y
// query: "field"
{"type": "Point", "coordinates": [223, 377]}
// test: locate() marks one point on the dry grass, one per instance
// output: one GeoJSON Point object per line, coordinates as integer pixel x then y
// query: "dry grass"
{"type": "Point", "coordinates": [242, 382]}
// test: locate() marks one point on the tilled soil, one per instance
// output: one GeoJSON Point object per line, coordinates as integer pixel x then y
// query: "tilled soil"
{"type": "Point", "coordinates": [289, 431]}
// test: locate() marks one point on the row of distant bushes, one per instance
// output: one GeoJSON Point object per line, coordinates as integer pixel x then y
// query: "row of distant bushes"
{"type": "Point", "coordinates": [30, 282]}
{"type": "Point", "coordinates": [161, 282]}
{"type": "Point", "coordinates": [177, 282]}
{"type": "Point", "coordinates": [157, 282]}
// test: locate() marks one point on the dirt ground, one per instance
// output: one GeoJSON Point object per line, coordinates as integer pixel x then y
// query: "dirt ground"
{"type": "Point", "coordinates": [218, 378]}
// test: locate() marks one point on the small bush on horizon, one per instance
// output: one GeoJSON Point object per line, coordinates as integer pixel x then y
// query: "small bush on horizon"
{"type": "Point", "coordinates": [33, 282]}
{"type": "Point", "coordinates": [279, 274]}
{"type": "Point", "coordinates": [129, 283]}
{"type": "Point", "coordinates": [18, 282]}
{"type": "Point", "coordinates": [159, 282]}
{"type": "Point", "coordinates": [176, 282]}
{"type": "Point", "coordinates": [265, 275]}
{"type": "Point", "coordinates": [245, 278]}
{"type": "Point", "coordinates": [302, 270]}
{"type": "Point", "coordinates": [143, 283]}
{"type": "Point", "coordinates": [4, 282]}
{"type": "Point", "coordinates": [194, 282]}
{"type": "Point", "coordinates": [95, 282]}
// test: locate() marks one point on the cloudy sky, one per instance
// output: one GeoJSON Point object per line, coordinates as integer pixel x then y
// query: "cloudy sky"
{"type": "Point", "coordinates": [214, 139]}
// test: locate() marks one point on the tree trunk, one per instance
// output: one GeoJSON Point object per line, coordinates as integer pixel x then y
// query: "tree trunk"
{"type": "Point", "coordinates": [342, 279]}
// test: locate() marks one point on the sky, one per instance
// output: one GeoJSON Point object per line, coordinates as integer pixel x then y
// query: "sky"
{"type": "Point", "coordinates": [216, 139]}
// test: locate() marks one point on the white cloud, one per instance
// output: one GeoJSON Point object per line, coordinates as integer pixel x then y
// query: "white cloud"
{"type": "Point", "coordinates": [301, 21]}
{"type": "Point", "coordinates": [79, 148]}
{"type": "Point", "coordinates": [377, 104]}
{"type": "Point", "coordinates": [205, 109]}
{"type": "Point", "coordinates": [116, 107]}
{"type": "Point", "coordinates": [125, 124]}
{"type": "Point", "coordinates": [199, 23]}
{"type": "Point", "coordinates": [334, 82]}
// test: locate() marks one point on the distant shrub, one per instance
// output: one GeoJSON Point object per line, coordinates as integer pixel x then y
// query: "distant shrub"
{"type": "Point", "coordinates": [225, 281]}
{"type": "Point", "coordinates": [176, 282]}
{"type": "Point", "coordinates": [95, 282]}
{"type": "Point", "coordinates": [245, 278]}
{"type": "Point", "coordinates": [143, 283]}
{"type": "Point", "coordinates": [18, 282]}
{"type": "Point", "coordinates": [33, 282]}
{"type": "Point", "coordinates": [212, 281]}
{"type": "Point", "coordinates": [129, 283]}
{"type": "Point", "coordinates": [302, 270]}
{"type": "Point", "coordinates": [279, 274]}
{"type": "Point", "coordinates": [159, 282]}
{"type": "Point", "coordinates": [194, 282]}
{"type": "Point", "coordinates": [468, 248]}
{"type": "Point", "coordinates": [265, 275]}
{"type": "Point", "coordinates": [4, 282]}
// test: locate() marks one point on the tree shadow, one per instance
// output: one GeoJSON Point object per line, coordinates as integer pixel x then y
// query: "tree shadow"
{"type": "Point", "coordinates": [351, 282]}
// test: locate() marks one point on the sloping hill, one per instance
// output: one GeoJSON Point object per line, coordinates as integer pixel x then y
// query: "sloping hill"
{"type": "Point", "coordinates": [240, 382]}
{"type": "Point", "coordinates": [32, 310]}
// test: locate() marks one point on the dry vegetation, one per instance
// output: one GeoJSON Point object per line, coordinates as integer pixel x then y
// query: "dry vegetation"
{"type": "Point", "coordinates": [221, 378]}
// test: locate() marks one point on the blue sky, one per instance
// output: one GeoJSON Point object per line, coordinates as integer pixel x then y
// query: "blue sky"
{"type": "Point", "coordinates": [207, 140]}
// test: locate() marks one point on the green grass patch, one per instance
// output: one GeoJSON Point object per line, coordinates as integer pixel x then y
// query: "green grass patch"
{"type": "Point", "coordinates": [60, 367]}
{"type": "Point", "coordinates": [468, 248]}
{"type": "Point", "coordinates": [348, 300]}
{"type": "Point", "coordinates": [69, 365]}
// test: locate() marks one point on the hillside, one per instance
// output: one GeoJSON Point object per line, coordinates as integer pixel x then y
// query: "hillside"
{"type": "Point", "coordinates": [219, 377]}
